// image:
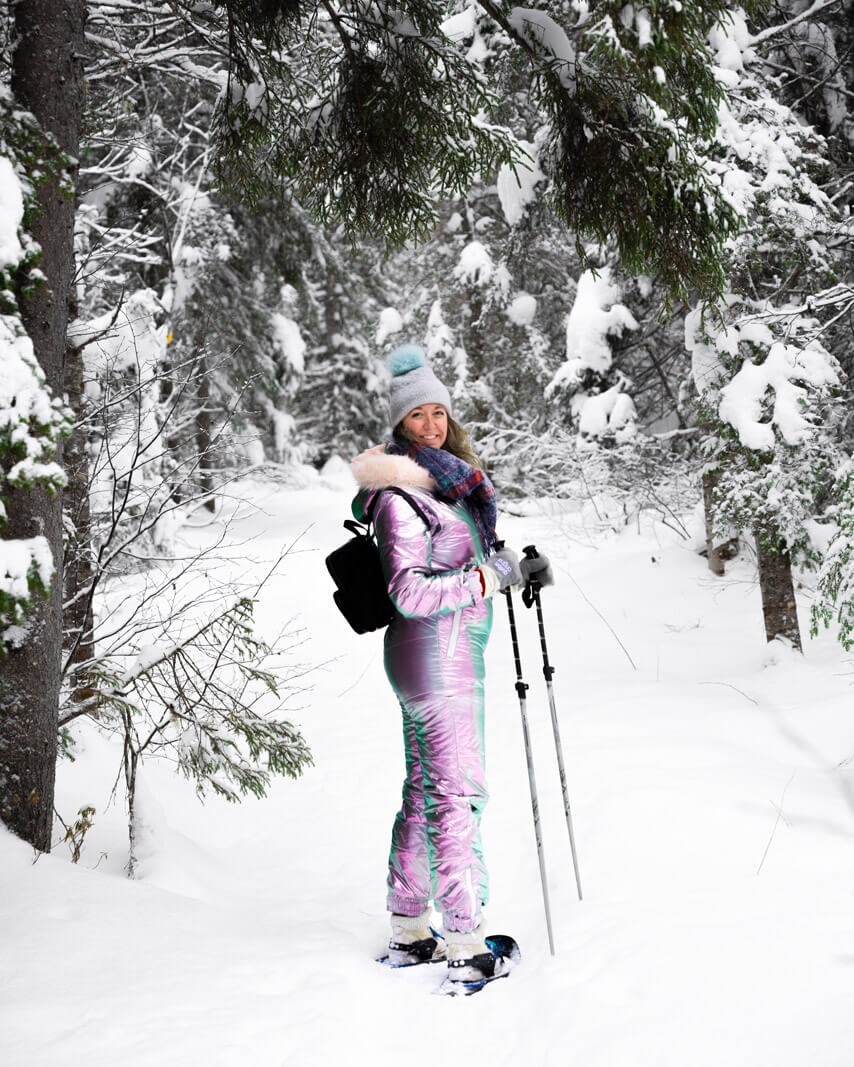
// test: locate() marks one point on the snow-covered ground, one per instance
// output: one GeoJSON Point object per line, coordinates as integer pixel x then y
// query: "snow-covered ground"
{"type": "Point", "coordinates": [712, 785]}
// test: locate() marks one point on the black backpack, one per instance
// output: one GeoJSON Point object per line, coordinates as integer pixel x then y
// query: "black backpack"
{"type": "Point", "coordinates": [362, 593]}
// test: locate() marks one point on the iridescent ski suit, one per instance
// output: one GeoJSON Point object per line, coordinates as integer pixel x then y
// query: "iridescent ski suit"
{"type": "Point", "coordinates": [434, 660]}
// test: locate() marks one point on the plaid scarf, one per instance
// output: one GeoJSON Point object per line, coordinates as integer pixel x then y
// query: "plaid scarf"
{"type": "Point", "coordinates": [455, 480]}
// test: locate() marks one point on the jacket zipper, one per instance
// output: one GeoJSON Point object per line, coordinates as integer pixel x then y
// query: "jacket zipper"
{"type": "Point", "coordinates": [455, 633]}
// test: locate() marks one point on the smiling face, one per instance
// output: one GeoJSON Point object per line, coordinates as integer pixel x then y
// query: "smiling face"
{"type": "Point", "coordinates": [427, 425]}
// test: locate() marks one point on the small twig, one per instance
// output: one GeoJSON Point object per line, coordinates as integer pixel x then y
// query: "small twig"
{"type": "Point", "coordinates": [587, 600]}
{"type": "Point", "coordinates": [354, 684]}
{"type": "Point", "coordinates": [735, 687]}
{"type": "Point", "coordinates": [78, 348]}
{"type": "Point", "coordinates": [776, 823]}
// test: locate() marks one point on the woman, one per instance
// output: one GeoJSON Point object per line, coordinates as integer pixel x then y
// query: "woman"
{"type": "Point", "coordinates": [440, 582]}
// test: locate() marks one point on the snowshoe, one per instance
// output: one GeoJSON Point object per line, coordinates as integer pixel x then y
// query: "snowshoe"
{"type": "Point", "coordinates": [427, 950]}
{"type": "Point", "coordinates": [469, 976]}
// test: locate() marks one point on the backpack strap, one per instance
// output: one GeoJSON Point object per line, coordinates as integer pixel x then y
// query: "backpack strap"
{"type": "Point", "coordinates": [434, 526]}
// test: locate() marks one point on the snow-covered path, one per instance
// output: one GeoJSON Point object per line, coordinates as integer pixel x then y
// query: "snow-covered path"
{"type": "Point", "coordinates": [713, 799]}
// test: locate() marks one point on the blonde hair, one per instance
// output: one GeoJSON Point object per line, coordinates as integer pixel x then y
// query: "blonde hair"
{"type": "Point", "coordinates": [457, 442]}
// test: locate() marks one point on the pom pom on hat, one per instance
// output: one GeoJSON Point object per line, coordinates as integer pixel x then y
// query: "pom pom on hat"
{"type": "Point", "coordinates": [413, 383]}
{"type": "Point", "coordinates": [406, 358]}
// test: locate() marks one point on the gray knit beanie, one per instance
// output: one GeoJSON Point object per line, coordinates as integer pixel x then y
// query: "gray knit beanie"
{"type": "Point", "coordinates": [413, 383]}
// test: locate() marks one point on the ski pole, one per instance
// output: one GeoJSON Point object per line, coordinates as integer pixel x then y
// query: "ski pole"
{"type": "Point", "coordinates": [521, 688]}
{"type": "Point", "coordinates": [529, 596]}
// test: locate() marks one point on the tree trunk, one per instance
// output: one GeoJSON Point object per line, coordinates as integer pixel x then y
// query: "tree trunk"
{"type": "Point", "coordinates": [131, 764]}
{"type": "Point", "coordinates": [47, 79]}
{"type": "Point", "coordinates": [713, 556]}
{"type": "Point", "coordinates": [778, 591]}
{"type": "Point", "coordinates": [79, 572]}
{"type": "Point", "coordinates": [203, 433]}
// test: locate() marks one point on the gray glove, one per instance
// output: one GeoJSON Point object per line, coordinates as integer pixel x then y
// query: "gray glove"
{"type": "Point", "coordinates": [537, 570]}
{"type": "Point", "coordinates": [501, 570]}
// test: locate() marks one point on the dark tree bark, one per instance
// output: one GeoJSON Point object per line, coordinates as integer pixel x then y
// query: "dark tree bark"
{"type": "Point", "coordinates": [203, 433]}
{"type": "Point", "coordinates": [47, 79]}
{"type": "Point", "coordinates": [778, 590]}
{"type": "Point", "coordinates": [79, 571]}
{"type": "Point", "coordinates": [168, 391]}
{"type": "Point", "coordinates": [713, 556]}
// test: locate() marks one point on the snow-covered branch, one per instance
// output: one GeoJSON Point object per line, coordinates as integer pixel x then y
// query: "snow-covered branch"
{"type": "Point", "coordinates": [777, 31]}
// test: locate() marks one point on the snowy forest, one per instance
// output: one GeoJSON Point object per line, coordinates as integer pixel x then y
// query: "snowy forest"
{"type": "Point", "coordinates": [623, 234]}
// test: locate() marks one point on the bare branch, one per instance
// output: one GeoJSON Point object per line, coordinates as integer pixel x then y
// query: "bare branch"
{"type": "Point", "coordinates": [776, 31]}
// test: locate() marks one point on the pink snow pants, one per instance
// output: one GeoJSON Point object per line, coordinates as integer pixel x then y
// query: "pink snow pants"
{"type": "Point", "coordinates": [435, 850]}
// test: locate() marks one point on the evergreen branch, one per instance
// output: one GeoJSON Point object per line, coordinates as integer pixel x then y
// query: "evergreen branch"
{"type": "Point", "coordinates": [495, 12]}
{"type": "Point", "coordinates": [343, 35]}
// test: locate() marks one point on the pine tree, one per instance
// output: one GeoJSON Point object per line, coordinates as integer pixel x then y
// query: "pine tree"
{"type": "Point", "coordinates": [765, 378]}
{"type": "Point", "coordinates": [47, 81]}
{"type": "Point", "coordinates": [368, 112]}
{"type": "Point", "coordinates": [812, 60]}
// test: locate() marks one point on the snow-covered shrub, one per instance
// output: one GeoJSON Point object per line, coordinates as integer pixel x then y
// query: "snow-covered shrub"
{"type": "Point", "coordinates": [611, 487]}
{"type": "Point", "coordinates": [203, 695]}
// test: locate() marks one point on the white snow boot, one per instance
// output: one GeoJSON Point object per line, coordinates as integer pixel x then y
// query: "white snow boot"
{"type": "Point", "coordinates": [470, 960]}
{"type": "Point", "coordinates": [414, 941]}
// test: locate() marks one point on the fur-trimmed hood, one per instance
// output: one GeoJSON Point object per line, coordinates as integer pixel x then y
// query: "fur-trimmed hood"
{"type": "Point", "coordinates": [374, 469]}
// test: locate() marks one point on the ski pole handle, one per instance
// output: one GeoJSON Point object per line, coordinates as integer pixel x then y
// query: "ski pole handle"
{"type": "Point", "coordinates": [530, 591]}
{"type": "Point", "coordinates": [538, 573]}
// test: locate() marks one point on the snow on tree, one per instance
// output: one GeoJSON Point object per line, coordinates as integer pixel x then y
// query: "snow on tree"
{"type": "Point", "coordinates": [484, 330]}
{"type": "Point", "coordinates": [356, 108]}
{"type": "Point", "coordinates": [368, 113]}
{"type": "Point", "coordinates": [597, 397]}
{"type": "Point", "coordinates": [224, 278]}
{"type": "Point", "coordinates": [31, 419]}
{"type": "Point", "coordinates": [147, 232]}
{"type": "Point", "coordinates": [516, 186]}
{"type": "Point", "coordinates": [809, 47]}
{"type": "Point", "coordinates": [770, 396]}
{"type": "Point", "coordinates": [501, 336]}
{"type": "Point", "coordinates": [765, 379]}
{"type": "Point", "coordinates": [390, 324]}
{"type": "Point", "coordinates": [291, 346]}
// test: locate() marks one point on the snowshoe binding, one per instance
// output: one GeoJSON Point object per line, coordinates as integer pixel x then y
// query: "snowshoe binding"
{"type": "Point", "coordinates": [469, 976]}
{"type": "Point", "coordinates": [426, 950]}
